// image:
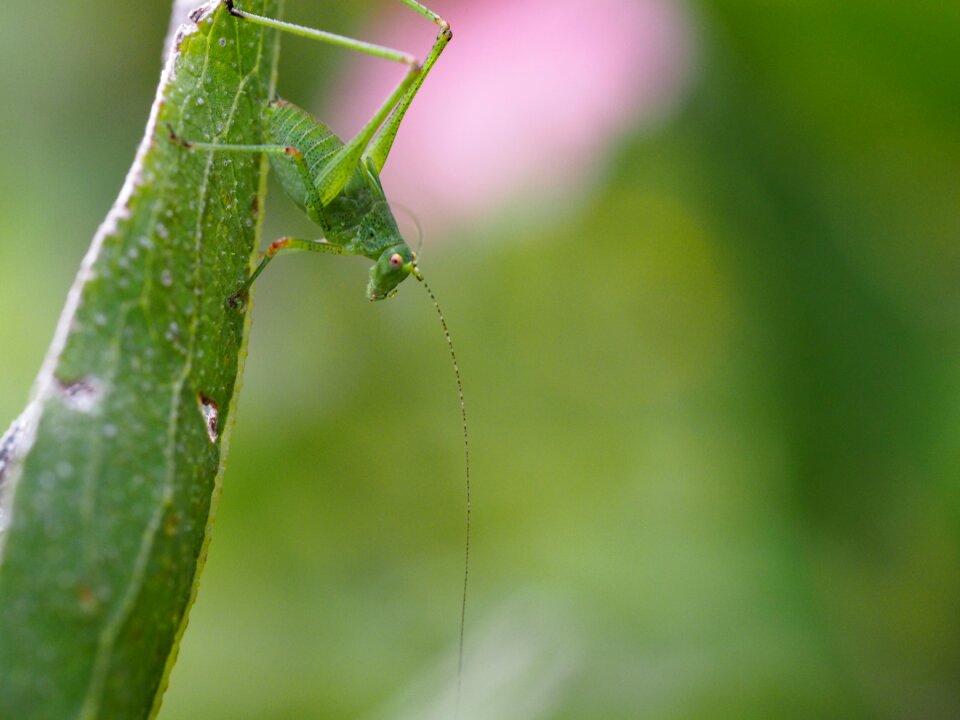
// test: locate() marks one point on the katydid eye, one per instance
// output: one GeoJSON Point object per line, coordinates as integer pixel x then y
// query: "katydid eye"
{"type": "Point", "coordinates": [395, 260]}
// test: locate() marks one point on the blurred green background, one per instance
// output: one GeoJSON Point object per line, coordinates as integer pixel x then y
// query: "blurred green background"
{"type": "Point", "coordinates": [715, 408]}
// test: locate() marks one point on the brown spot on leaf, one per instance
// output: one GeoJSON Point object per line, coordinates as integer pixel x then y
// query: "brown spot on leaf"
{"type": "Point", "coordinates": [82, 394]}
{"type": "Point", "coordinates": [87, 598]}
{"type": "Point", "coordinates": [171, 524]}
{"type": "Point", "coordinates": [211, 416]}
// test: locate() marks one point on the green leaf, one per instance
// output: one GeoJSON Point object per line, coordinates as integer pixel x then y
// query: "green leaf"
{"type": "Point", "coordinates": [109, 479]}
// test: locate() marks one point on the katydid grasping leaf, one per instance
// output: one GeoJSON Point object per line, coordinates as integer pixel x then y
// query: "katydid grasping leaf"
{"type": "Point", "coordinates": [109, 479]}
{"type": "Point", "coordinates": [338, 186]}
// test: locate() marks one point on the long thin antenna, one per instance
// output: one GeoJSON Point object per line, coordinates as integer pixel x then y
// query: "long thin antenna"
{"type": "Point", "coordinates": [466, 460]}
{"type": "Point", "coordinates": [410, 214]}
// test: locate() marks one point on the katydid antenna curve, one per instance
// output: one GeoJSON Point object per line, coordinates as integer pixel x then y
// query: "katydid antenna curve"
{"type": "Point", "coordinates": [338, 186]}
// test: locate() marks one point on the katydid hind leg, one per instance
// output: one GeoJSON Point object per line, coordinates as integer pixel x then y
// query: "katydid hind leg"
{"type": "Point", "coordinates": [342, 166]}
{"type": "Point", "coordinates": [382, 142]}
{"type": "Point", "coordinates": [376, 138]}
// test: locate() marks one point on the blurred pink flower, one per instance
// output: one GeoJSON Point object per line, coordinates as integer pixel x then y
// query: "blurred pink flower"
{"type": "Point", "coordinates": [525, 101]}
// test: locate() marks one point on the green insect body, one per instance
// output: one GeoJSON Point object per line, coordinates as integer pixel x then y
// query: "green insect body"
{"type": "Point", "coordinates": [358, 220]}
{"type": "Point", "coordinates": [337, 184]}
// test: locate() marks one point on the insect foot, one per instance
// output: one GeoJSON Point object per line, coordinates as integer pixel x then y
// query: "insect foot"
{"type": "Point", "coordinates": [176, 138]}
{"type": "Point", "coordinates": [238, 301]}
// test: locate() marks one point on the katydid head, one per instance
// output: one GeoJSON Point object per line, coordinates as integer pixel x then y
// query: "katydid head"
{"type": "Point", "coordinates": [391, 268]}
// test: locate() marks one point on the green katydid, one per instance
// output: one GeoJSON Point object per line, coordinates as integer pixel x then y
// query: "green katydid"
{"type": "Point", "coordinates": [338, 186]}
{"type": "Point", "coordinates": [109, 480]}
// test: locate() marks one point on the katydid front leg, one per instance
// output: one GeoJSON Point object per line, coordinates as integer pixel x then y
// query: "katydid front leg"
{"type": "Point", "coordinates": [284, 243]}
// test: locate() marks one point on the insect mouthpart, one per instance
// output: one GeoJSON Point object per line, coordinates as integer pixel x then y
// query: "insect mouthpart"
{"type": "Point", "coordinates": [374, 296]}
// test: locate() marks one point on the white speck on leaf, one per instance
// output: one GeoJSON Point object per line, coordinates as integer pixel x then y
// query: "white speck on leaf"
{"type": "Point", "coordinates": [211, 414]}
{"type": "Point", "coordinates": [83, 395]}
